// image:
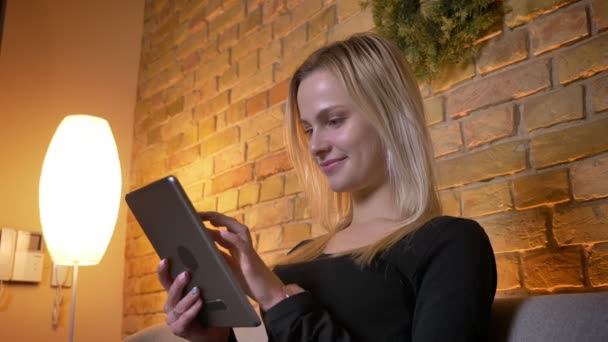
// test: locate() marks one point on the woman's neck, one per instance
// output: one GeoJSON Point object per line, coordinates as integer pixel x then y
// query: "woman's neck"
{"type": "Point", "coordinates": [376, 205]}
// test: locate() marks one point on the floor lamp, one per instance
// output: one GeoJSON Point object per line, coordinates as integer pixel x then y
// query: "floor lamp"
{"type": "Point", "coordinates": [80, 187]}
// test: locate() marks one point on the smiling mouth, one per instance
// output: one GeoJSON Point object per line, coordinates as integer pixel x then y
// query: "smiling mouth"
{"type": "Point", "coordinates": [331, 165]}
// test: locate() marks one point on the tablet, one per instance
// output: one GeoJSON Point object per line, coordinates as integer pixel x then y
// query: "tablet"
{"type": "Point", "coordinates": [177, 233]}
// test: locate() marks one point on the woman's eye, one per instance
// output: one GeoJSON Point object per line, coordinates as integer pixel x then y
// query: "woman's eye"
{"type": "Point", "coordinates": [335, 122]}
{"type": "Point", "coordinates": [308, 131]}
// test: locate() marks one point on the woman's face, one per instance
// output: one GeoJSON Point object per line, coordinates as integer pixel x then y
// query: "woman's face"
{"type": "Point", "coordinates": [343, 142]}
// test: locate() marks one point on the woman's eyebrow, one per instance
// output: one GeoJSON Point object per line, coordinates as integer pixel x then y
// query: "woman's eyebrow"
{"type": "Point", "coordinates": [323, 112]}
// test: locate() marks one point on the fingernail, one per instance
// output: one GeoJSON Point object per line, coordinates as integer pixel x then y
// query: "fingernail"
{"type": "Point", "coordinates": [161, 264]}
{"type": "Point", "coordinates": [194, 291]}
{"type": "Point", "coordinates": [184, 275]}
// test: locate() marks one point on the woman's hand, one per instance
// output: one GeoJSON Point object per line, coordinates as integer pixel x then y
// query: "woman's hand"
{"type": "Point", "coordinates": [256, 278]}
{"type": "Point", "coordinates": [182, 311]}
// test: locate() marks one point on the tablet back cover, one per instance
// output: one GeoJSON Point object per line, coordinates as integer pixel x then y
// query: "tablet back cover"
{"type": "Point", "coordinates": [176, 232]}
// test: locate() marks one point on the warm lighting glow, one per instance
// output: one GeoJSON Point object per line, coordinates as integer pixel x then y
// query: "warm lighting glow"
{"type": "Point", "coordinates": [80, 188]}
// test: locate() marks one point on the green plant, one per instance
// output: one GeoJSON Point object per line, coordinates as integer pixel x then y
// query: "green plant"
{"type": "Point", "coordinates": [434, 33]}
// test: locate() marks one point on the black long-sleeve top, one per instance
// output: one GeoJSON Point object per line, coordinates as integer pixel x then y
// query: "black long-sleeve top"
{"type": "Point", "coordinates": [436, 284]}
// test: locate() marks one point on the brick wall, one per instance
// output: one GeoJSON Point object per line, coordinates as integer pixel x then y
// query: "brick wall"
{"type": "Point", "coordinates": [519, 133]}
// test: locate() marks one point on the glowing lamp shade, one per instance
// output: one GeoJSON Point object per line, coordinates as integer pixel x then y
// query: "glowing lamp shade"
{"type": "Point", "coordinates": [80, 188]}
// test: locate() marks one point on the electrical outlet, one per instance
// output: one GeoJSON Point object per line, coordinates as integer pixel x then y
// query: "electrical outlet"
{"type": "Point", "coordinates": [61, 275]}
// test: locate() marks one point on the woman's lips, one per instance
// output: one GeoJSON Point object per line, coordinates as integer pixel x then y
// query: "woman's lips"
{"type": "Point", "coordinates": [331, 165]}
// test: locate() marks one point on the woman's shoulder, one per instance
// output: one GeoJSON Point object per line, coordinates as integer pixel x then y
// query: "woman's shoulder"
{"type": "Point", "coordinates": [443, 231]}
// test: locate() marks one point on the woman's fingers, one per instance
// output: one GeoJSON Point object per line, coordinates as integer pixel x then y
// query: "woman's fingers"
{"type": "Point", "coordinates": [163, 274]}
{"type": "Point", "coordinates": [174, 294]}
{"type": "Point", "coordinates": [183, 306]}
{"type": "Point", "coordinates": [180, 326]}
{"type": "Point", "coordinates": [221, 220]}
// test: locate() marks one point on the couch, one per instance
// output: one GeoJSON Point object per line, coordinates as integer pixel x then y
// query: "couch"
{"type": "Point", "coordinates": [579, 317]}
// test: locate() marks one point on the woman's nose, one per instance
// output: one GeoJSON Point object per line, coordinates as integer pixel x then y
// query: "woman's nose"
{"type": "Point", "coordinates": [318, 144]}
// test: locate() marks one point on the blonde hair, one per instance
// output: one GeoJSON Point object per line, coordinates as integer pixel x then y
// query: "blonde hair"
{"type": "Point", "coordinates": [377, 77]}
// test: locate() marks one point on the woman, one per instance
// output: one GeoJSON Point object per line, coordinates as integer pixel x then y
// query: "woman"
{"type": "Point", "coordinates": [390, 268]}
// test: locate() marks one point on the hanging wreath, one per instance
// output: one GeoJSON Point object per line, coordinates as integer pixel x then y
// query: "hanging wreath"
{"type": "Point", "coordinates": [433, 33]}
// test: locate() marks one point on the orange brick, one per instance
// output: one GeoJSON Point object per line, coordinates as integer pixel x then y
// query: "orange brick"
{"type": "Point", "coordinates": [503, 50]}
{"type": "Point", "coordinates": [279, 92]}
{"type": "Point", "coordinates": [153, 136]}
{"type": "Point", "coordinates": [522, 11]}
{"type": "Point", "coordinates": [261, 80]}
{"type": "Point", "coordinates": [507, 158]}
{"type": "Point", "coordinates": [569, 144]}
{"type": "Point", "coordinates": [235, 113]}
{"type": "Point", "coordinates": [184, 157]}
{"type": "Point", "coordinates": [197, 19]}
{"type": "Point", "coordinates": [269, 214]}
{"type": "Point", "coordinates": [433, 110]}
{"type": "Point", "coordinates": [142, 265]}
{"type": "Point", "coordinates": [600, 13]}
{"type": "Point", "coordinates": [576, 224]}
{"type": "Point", "coordinates": [253, 20]}
{"type": "Point", "coordinates": [558, 29]}
{"type": "Point", "coordinates": [257, 103]}
{"type": "Point", "coordinates": [207, 87]}
{"type": "Point", "coordinates": [196, 171]}
{"type": "Point", "coordinates": [269, 166]}
{"type": "Point", "coordinates": [541, 189]}
{"type": "Point", "coordinates": [450, 203]}
{"type": "Point", "coordinates": [305, 10]}
{"type": "Point", "coordinates": [292, 59]}
{"type": "Point", "coordinates": [187, 138]}
{"type": "Point", "coordinates": [192, 43]}
{"type": "Point", "coordinates": [233, 178]}
{"type": "Point", "coordinates": [277, 139]}
{"type": "Point", "coordinates": [249, 194]}
{"type": "Point", "coordinates": [281, 25]}
{"type": "Point", "coordinates": [515, 230]}
{"type": "Point", "coordinates": [489, 125]}
{"type": "Point", "coordinates": [271, 54]}
{"type": "Point", "coordinates": [213, 106]}
{"type": "Point", "coordinates": [489, 199]}
{"type": "Point", "coordinates": [446, 139]}
{"type": "Point", "coordinates": [228, 38]}
{"type": "Point", "coordinates": [227, 201]}
{"type": "Point", "coordinates": [347, 8]}
{"type": "Point", "coordinates": [271, 9]}
{"type": "Point", "coordinates": [190, 62]}
{"type": "Point", "coordinates": [150, 283]}
{"type": "Point", "coordinates": [230, 157]}
{"type": "Point", "coordinates": [257, 147]}
{"type": "Point", "coordinates": [292, 183]}
{"type": "Point", "coordinates": [295, 39]}
{"type": "Point", "coordinates": [219, 141]}
{"type": "Point", "coordinates": [598, 265]}
{"type": "Point", "coordinates": [228, 78]}
{"type": "Point", "coordinates": [451, 75]}
{"type": "Point", "coordinates": [229, 17]}
{"type": "Point", "coordinates": [248, 65]}
{"type": "Point", "coordinates": [269, 239]}
{"type": "Point", "coordinates": [295, 233]}
{"type": "Point", "coordinates": [549, 271]}
{"type": "Point", "coordinates": [589, 179]}
{"type": "Point", "coordinates": [253, 41]}
{"type": "Point", "coordinates": [599, 93]}
{"type": "Point", "coordinates": [262, 123]}
{"type": "Point", "coordinates": [583, 61]}
{"type": "Point", "coordinates": [302, 209]}
{"type": "Point", "coordinates": [215, 66]}
{"type": "Point", "coordinates": [132, 323]}
{"type": "Point", "coordinates": [515, 83]}
{"type": "Point", "coordinates": [206, 127]}
{"type": "Point", "coordinates": [323, 21]}
{"type": "Point", "coordinates": [272, 188]}
{"type": "Point", "coordinates": [507, 266]}
{"type": "Point", "coordinates": [552, 108]}
{"type": "Point", "coordinates": [360, 22]}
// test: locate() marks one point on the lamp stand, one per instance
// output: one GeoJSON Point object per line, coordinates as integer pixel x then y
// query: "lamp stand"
{"type": "Point", "coordinates": [73, 304]}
